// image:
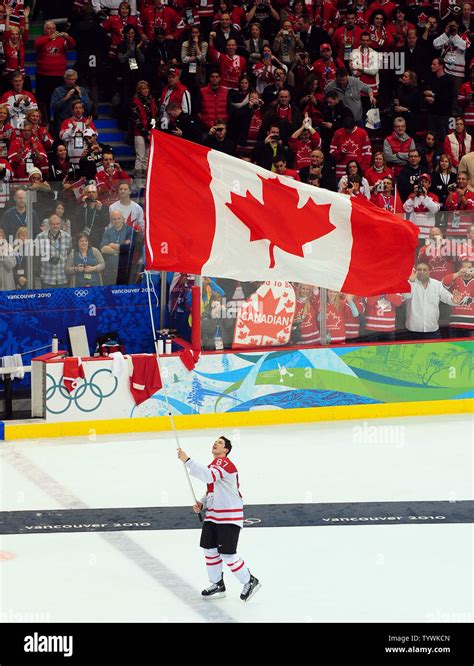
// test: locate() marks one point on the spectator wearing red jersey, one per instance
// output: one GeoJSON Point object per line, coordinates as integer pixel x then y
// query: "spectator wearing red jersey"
{"type": "Point", "coordinates": [279, 163]}
{"type": "Point", "coordinates": [51, 63]}
{"type": "Point", "coordinates": [26, 152]}
{"type": "Point", "coordinates": [325, 15]}
{"type": "Point", "coordinates": [161, 21]}
{"type": "Point", "coordinates": [378, 170]}
{"type": "Point", "coordinates": [115, 24]}
{"type": "Point", "coordinates": [18, 100]}
{"type": "Point", "coordinates": [15, 39]}
{"type": "Point", "coordinates": [352, 328]}
{"type": "Point", "coordinates": [422, 206]}
{"type": "Point", "coordinates": [350, 143]}
{"type": "Point", "coordinates": [461, 202]}
{"type": "Point", "coordinates": [6, 131]}
{"type": "Point", "coordinates": [384, 196]}
{"type": "Point", "coordinates": [397, 146]}
{"type": "Point", "coordinates": [339, 307]}
{"type": "Point", "coordinates": [231, 66]}
{"type": "Point", "coordinates": [457, 143]}
{"type": "Point", "coordinates": [144, 111]}
{"type": "Point", "coordinates": [306, 321]}
{"type": "Point", "coordinates": [176, 92]}
{"type": "Point", "coordinates": [39, 130]}
{"type": "Point", "coordinates": [325, 67]}
{"type": "Point", "coordinates": [437, 253]}
{"type": "Point", "coordinates": [380, 35]}
{"type": "Point", "coordinates": [466, 100]}
{"type": "Point", "coordinates": [387, 7]}
{"type": "Point", "coordinates": [109, 179]}
{"type": "Point", "coordinates": [380, 317]}
{"type": "Point", "coordinates": [302, 142]}
{"type": "Point", "coordinates": [461, 284]}
{"type": "Point", "coordinates": [347, 38]}
{"type": "Point", "coordinates": [214, 100]}
{"type": "Point", "coordinates": [400, 27]}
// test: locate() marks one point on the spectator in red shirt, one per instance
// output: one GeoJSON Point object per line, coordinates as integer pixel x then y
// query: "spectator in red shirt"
{"type": "Point", "coordinates": [466, 100]}
{"type": "Point", "coordinates": [461, 202]}
{"type": "Point", "coordinates": [378, 170]}
{"type": "Point", "coordinates": [302, 142]}
{"type": "Point", "coordinates": [109, 179]}
{"type": "Point", "coordinates": [350, 143]}
{"type": "Point", "coordinates": [39, 131]}
{"type": "Point", "coordinates": [115, 25]}
{"type": "Point", "coordinates": [161, 21]}
{"type": "Point", "coordinates": [214, 101]}
{"type": "Point", "coordinates": [18, 100]}
{"type": "Point", "coordinates": [51, 63]}
{"type": "Point", "coordinates": [14, 43]}
{"type": "Point", "coordinates": [461, 284]}
{"type": "Point", "coordinates": [25, 153]}
{"type": "Point", "coordinates": [281, 169]}
{"type": "Point", "coordinates": [347, 37]}
{"type": "Point", "coordinates": [231, 65]}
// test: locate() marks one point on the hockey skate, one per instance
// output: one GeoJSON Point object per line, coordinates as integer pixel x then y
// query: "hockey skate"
{"type": "Point", "coordinates": [214, 591]}
{"type": "Point", "coordinates": [250, 588]}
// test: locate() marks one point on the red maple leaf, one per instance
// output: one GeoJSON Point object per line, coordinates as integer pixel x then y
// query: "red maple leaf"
{"type": "Point", "coordinates": [253, 341]}
{"type": "Point", "coordinates": [242, 335]}
{"type": "Point", "coordinates": [285, 294]}
{"type": "Point", "coordinates": [288, 304]}
{"type": "Point", "coordinates": [262, 318]}
{"type": "Point", "coordinates": [279, 219]}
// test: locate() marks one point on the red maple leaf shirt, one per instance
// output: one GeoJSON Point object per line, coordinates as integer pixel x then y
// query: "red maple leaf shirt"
{"type": "Point", "coordinates": [222, 501]}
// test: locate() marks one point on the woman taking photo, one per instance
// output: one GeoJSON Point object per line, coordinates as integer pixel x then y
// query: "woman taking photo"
{"type": "Point", "coordinates": [85, 264]}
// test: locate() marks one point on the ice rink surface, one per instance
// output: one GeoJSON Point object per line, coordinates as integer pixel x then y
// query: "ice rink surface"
{"type": "Point", "coordinates": [334, 572]}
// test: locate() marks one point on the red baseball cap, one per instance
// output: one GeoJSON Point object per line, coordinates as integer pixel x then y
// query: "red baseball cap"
{"type": "Point", "coordinates": [325, 46]}
{"type": "Point", "coordinates": [426, 175]}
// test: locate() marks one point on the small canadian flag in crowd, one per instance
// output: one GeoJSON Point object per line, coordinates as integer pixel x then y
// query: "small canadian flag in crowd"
{"type": "Point", "coordinates": [212, 214]}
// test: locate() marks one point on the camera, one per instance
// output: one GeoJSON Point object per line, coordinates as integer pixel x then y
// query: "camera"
{"type": "Point", "coordinates": [452, 30]}
{"type": "Point", "coordinates": [159, 32]}
{"type": "Point", "coordinates": [54, 260]}
{"type": "Point", "coordinates": [452, 187]}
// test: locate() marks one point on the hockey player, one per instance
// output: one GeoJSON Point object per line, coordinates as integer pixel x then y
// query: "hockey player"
{"type": "Point", "coordinates": [223, 521]}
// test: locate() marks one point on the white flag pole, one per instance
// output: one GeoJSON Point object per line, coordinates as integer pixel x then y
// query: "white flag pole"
{"type": "Point", "coordinates": [165, 393]}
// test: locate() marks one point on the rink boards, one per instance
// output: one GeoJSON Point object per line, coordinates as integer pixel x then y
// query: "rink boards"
{"type": "Point", "coordinates": [232, 389]}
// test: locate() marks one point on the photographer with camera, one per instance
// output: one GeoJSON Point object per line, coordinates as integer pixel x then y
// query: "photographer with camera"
{"type": "Point", "coordinates": [245, 124]}
{"type": "Point", "coordinates": [422, 205]}
{"type": "Point", "coordinates": [461, 202]}
{"type": "Point", "coordinates": [217, 138]}
{"type": "Point", "coordinates": [265, 151]}
{"type": "Point", "coordinates": [92, 217]}
{"type": "Point", "coordinates": [59, 244]}
{"type": "Point", "coordinates": [286, 43]}
{"type": "Point", "coordinates": [453, 48]}
{"type": "Point", "coordinates": [383, 195]}
{"type": "Point", "coordinates": [64, 97]}
{"type": "Point", "coordinates": [461, 284]}
{"type": "Point", "coordinates": [264, 71]}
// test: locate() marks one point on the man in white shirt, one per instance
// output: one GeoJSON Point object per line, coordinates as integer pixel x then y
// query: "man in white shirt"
{"type": "Point", "coordinates": [131, 211]}
{"type": "Point", "coordinates": [422, 316]}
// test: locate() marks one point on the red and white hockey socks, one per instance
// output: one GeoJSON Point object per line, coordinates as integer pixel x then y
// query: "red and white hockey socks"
{"type": "Point", "coordinates": [237, 566]}
{"type": "Point", "coordinates": [214, 564]}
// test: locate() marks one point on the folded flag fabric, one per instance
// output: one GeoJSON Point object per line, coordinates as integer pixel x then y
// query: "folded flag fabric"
{"type": "Point", "coordinates": [73, 370]}
{"type": "Point", "coordinates": [145, 379]}
{"type": "Point", "coordinates": [215, 215]}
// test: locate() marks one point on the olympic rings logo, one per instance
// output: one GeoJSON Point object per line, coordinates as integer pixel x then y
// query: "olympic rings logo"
{"type": "Point", "coordinates": [81, 397]}
{"type": "Point", "coordinates": [80, 293]}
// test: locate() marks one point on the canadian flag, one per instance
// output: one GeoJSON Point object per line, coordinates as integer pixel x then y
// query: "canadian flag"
{"type": "Point", "coordinates": [215, 215]}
